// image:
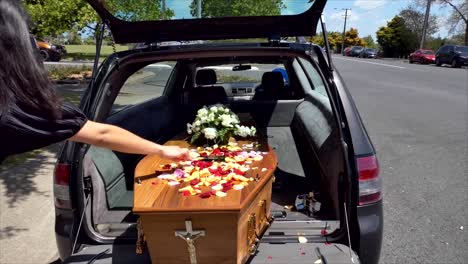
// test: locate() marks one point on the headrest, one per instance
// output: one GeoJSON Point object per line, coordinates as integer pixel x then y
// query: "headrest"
{"type": "Point", "coordinates": [208, 95]}
{"type": "Point", "coordinates": [272, 80]}
{"type": "Point", "coordinates": [206, 77]}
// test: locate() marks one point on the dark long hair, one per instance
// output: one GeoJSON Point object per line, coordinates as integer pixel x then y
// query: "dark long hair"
{"type": "Point", "coordinates": [23, 80]}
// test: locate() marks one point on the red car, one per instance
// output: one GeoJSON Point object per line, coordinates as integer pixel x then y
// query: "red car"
{"type": "Point", "coordinates": [422, 56]}
{"type": "Point", "coordinates": [346, 51]}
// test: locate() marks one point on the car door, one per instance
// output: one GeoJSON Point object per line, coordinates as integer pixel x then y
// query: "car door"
{"type": "Point", "coordinates": [444, 54]}
{"type": "Point", "coordinates": [450, 54]}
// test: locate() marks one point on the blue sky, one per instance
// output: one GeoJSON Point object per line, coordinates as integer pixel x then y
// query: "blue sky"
{"type": "Point", "coordinates": [365, 15]}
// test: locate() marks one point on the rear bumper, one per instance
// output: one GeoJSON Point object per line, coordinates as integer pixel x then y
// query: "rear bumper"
{"type": "Point", "coordinates": [370, 219]}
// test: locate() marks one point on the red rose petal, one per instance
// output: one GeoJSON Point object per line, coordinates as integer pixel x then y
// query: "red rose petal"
{"type": "Point", "coordinates": [324, 232]}
{"type": "Point", "coordinates": [238, 172]}
{"type": "Point", "coordinates": [167, 166]}
{"type": "Point", "coordinates": [154, 183]}
{"type": "Point", "coordinates": [194, 182]}
{"type": "Point", "coordinates": [205, 195]}
{"type": "Point", "coordinates": [270, 257]}
{"type": "Point", "coordinates": [185, 193]}
{"type": "Point", "coordinates": [302, 253]}
{"type": "Point", "coordinates": [203, 154]}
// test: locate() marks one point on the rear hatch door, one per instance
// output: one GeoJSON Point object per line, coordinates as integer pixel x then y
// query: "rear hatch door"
{"type": "Point", "coordinates": [141, 21]}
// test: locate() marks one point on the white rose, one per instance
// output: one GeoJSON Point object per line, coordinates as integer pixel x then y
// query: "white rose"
{"type": "Point", "coordinates": [210, 133]}
{"type": "Point", "coordinates": [226, 120]}
{"type": "Point", "coordinates": [213, 109]}
{"type": "Point", "coordinates": [197, 123]}
{"type": "Point", "coordinates": [202, 112]}
{"type": "Point", "coordinates": [253, 131]}
{"type": "Point", "coordinates": [211, 117]}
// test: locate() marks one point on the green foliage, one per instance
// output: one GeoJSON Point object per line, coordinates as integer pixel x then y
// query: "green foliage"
{"type": "Point", "coordinates": [435, 43]}
{"type": "Point", "coordinates": [62, 73]}
{"type": "Point", "coordinates": [223, 8]}
{"type": "Point", "coordinates": [54, 17]}
{"type": "Point", "coordinates": [396, 39]}
{"type": "Point", "coordinates": [352, 38]}
{"type": "Point", "coordinates": [414, 21]}
{"type": "Point", "coordinates": [370, 42]}
{"type": "Point", "coordinates": [335, 39]}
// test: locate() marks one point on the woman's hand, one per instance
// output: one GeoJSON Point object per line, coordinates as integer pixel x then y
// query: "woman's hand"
{"type": "Point", "coordinates": [174, 153]}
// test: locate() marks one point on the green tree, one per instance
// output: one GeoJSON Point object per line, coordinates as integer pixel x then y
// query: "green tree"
{"type": "Point", "coordinates": [54, 17]}
{"type": "Point", "coordinates": [223, 8]}
{"type": "Point", "coordinates": [435, 43]}
{"type": "Point", "coordinates": [352, 38]}
{"type": "Point", "coordinates": [334, 40]}
{"type": "Point", "coordinates": [370, 42]}
{"type": "Point", "coordinates": [395, 39]}
{"type": "Point", "coordinates": [414, 21]}
{"type": "Point", "coordinates": [458, 18]}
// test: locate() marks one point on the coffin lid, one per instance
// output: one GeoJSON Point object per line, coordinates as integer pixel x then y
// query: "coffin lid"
{"type": "Point", "coordinates": [153, 195]}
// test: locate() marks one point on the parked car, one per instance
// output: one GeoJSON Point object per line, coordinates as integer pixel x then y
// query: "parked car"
{"type": "Point", "coordinates": [368, 53]}
{"type": "Point", "coordinates": [355, 51]}
{"type": "Point", "coordinates": [454, 55]}
{"type": "Point", "coordinates": [312, 123]}
{"type": "Point", "coordinates": [346, 51]}
{"type": "Point", "coordinates": [50, 52]}
{"type": "Point", "coordinates": [422, 56]}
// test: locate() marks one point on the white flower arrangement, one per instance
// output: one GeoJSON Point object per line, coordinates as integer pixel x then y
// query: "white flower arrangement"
{"type": "Point", "coordinates": [217, 123]}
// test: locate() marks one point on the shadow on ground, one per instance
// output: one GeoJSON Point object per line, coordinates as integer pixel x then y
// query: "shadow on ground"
{"type": "Point", "coordinates": [18, 178]}
{"type": "Point", "coordinates": [71, 92]}
{"type": "Point", "coordinates": [10, 231]}
{"type": "Point", "coordinates": [17, 172]}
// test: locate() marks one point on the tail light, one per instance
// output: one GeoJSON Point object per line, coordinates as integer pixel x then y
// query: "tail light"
{"type": "Point", "coordinates": [62, 185]}
{"type": "Point", "coordinates": [370, 184]}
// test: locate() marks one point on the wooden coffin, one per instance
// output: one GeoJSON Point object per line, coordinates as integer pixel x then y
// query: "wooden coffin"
{"type": "Point", "coordinates": [229, 227]}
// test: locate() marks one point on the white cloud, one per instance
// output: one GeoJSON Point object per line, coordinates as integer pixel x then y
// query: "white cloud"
{"type": "Point", "coordinates": [369, 4]}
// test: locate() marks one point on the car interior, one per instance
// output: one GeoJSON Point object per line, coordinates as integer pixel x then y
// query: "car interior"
{"type": "Point", "coordinates": [284, 97]}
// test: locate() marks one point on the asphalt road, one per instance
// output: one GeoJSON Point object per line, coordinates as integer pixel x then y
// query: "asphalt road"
{"type": "Point", "coordinates": [416, 116]}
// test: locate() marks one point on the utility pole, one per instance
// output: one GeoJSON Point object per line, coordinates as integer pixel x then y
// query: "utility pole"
{"type": "Point", "coordinates": [426, 21]}
{"type": "Point", "coordinates": [199, 8]}
{"type": "Point", "coordinates": [344, 28]}
{"type": "Point", "coordinates": [163, 9]}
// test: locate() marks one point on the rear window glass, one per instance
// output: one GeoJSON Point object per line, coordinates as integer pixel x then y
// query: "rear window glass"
{"type": "Point", "coordinates": [253, 73]}
{"type": "Point", "coordinates": [146, 10]}
{"type": "Point", "coordinates": [146, 84]}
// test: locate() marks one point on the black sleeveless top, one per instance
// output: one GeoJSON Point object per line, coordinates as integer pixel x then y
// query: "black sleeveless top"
{"type": "Point", "coordinates": [22, 130]}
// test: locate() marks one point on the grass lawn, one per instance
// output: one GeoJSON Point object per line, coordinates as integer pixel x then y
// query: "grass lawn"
{"type": "Point", "coordinates": [80, 52]}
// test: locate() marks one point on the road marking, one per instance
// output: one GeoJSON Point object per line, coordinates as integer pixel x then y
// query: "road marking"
{"type": "Point", "coordinates": [375, 63]}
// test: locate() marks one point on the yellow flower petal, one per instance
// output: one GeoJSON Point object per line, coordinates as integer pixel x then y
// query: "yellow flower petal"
{"type": "Point", "coordinates": [220, 194]}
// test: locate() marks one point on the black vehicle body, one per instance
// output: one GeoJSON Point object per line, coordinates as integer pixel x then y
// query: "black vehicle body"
{"type": "Point", "coordinates": [355, 51]}
{"type": "Point", "coordinates": [454, 55]}
{"type": "Point", "coordinates": [368, 53]}
{"type": "Point", "coordinates": [360, 224]}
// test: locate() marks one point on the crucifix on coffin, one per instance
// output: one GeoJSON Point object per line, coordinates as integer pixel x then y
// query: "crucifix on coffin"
{"type": "Point", "coordinates": [189, 236]}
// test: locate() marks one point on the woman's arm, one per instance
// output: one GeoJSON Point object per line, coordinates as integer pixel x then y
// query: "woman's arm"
{"type": "Point", "coordinates": [118, 139]}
